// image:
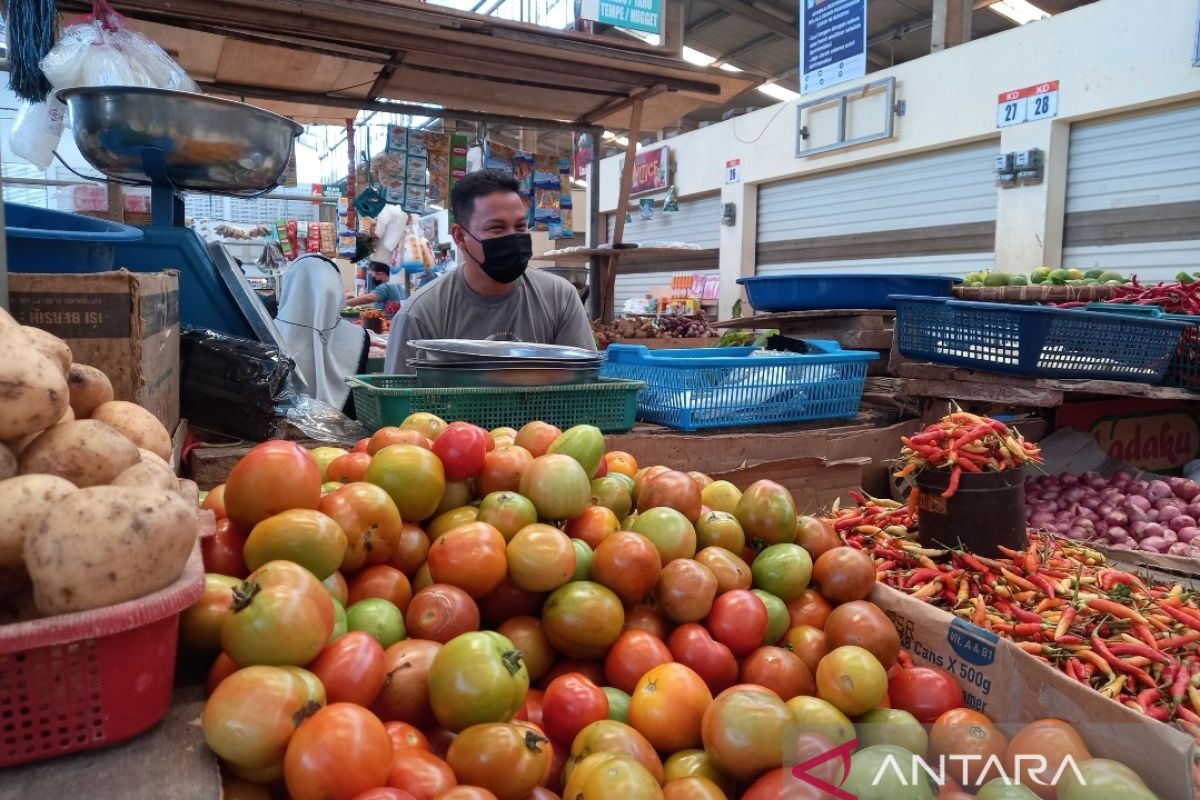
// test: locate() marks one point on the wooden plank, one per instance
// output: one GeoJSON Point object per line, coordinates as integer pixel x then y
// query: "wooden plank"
{"type": "Point", "coordinates": [1165, 222]}
{"type": "Point", "coordinates": [999, 382]}
{"type": "Point", "coordinates": [982, 392]}
{"type": "Point", "coordinates": [966, 237]}
{"type": "Point", "coordinates": [169, 760]}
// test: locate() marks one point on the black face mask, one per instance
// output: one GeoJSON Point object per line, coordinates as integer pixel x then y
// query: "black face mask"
{"type": "Point", "coordinates": [505, 258]}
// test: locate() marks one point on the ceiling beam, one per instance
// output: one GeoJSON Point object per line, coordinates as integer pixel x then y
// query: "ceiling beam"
{"type": "Point", "coordinates": [917, 24]}
{"type": "Point", "coordinates": [745, 48]}
{"type": "Point", "coordinates": [385, 74]}
{"type": "Point", "coordinates": [707, 19]}
{"type": "Point", "coordinates": [951, 24]}
{"type": "Point", "coordinates": [356, 103]}
{"type": "Point", "coordinates": [620, 105]}
{"type": "Point", "coordinates": [782, 26]}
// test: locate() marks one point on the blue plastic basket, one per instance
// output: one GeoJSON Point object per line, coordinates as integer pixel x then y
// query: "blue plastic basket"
{"type": "Point", "coordinates": [719, 387]}
{"type": "Point", "coordinates": [1036, 341]}
{"type": "Point", "coordinates": [807, 291]}
{"type": "Point", "coordinates": [1184, 370]}
{"type": "Point", "coordinates": [40, 240]}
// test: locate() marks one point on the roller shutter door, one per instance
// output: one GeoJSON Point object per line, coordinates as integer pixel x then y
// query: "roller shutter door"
{"type": "Point", "coordinates": [698, 222]}
{"type": "Point", "coordinates": [1133, 193]}
{"type": "Point", "coordinates": [929, 214]}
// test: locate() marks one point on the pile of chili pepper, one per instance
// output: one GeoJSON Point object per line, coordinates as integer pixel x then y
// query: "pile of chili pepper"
{"type": "Point", "coordinates": [964, 442]}
{"type": "Point", "coordinates": [1173, 298]}
{"type": "Point", "coordinates": [870, 516]}
{"type": "Point", "coordinates": [1132, 641]}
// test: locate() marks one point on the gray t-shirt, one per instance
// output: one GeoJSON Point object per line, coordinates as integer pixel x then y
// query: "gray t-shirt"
{"type": "Point", "coordinates": [541, 308]}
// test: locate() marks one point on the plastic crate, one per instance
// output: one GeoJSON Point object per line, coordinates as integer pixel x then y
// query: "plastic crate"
{"type": "Point", "coordinates": [719, 387]}
{"type": "Point", "coordinates": [1035, 341]}
{"type": "Point", "coordinates": [610, 405]}
{"type": "Point", "coordinates": [85, 680]}
{"type": "Point", "coordinates": [1184, 369]}
{"type": "Point", "coordinates": [805, 291]}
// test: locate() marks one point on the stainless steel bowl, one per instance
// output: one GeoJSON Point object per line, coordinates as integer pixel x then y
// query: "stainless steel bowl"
{"type": "Point", "coordinates": [456, 376]}
{"type": "Point", "coordinates": [458, 350]}
{"type": "Point", "coordinates": [190, 141]}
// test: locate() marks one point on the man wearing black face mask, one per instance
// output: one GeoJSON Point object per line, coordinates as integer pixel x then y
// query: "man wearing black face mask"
{"type": "Point", "coordinates": [493, 295]}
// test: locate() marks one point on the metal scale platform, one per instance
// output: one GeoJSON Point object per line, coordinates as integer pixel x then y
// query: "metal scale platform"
{"type": "Point", "coordinates": [179, 142]}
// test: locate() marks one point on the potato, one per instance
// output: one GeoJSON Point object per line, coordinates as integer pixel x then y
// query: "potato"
{"type": "Point", "coordinates": [108, 544]}
{"type": "Point", "coordinates": [51, 347]}
{"type": "Point", "coordinates": [8, 462]}
{"type": "Point", "coordinates": [137, 424]}
{"type": "Point", "coordinates": [86, 452]}
{"type": "Point", "coordinates": [25, 500]}
{"type": "Point", "coordinates": [18, 446]}
{"type": "Point", "coordinates": [68, 416]}
{"type": "Point", "coordinates": [150, 474]}
{"type": "Point", "coordinates": [89, 388]}
{"type": "Point", "coordinates": [33, 391]}
{"type": "Point", "coordinates": [155, 457]}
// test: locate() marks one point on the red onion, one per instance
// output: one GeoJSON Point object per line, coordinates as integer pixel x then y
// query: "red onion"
{"type": "Point", "coordinates": [1116, 534]}
{"type": "Point", "coordinates": [1139, 501]}
{"type": "Point", "coordinates": [1075, 494]}
{"type": "Point", "coordinates": [1041, 519]}
{"type": "Point", "coordinates": [1159, 490]}
{"type": "Point", "coordinates": [1179, 549]}
{"type": "Point", "coordinates": [1090, 503]}
{"type": "Point", "coordinates": [1193, 510]}
{"type": "Point", "coordinates": [1068, 479]}
{"type": "Point", "coordinates": [1188, 534]}
{"type": "Point", "coordinates": [1187, 491]}
{"type": "Point", "coordinates": [1120, 476]}
{"type": "Point", "coordinates": [1117, 517]}
{"type": "Point", "coordinates": [1137, 487]}
{"type": "Point", "coordinates": [1169, 513]}
{"type": "Point", "coordinates": [1179, 523]}
{"type": "Point", "coordinates": [1155, 543]}
{"type": "Point", "coordinates": [1152, 531]}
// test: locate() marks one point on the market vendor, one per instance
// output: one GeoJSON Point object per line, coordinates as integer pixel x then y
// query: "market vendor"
{"type": "Point", "coordinates": [493, 295]}
{"type": "Point", "coordinates": [386, 296]}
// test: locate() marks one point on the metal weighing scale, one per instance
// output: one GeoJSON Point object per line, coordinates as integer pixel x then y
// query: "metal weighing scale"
{"type": "Point", "coordinates": [179, 142]}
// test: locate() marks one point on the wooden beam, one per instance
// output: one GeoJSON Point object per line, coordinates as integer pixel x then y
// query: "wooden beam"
{"type": "Point", "coordinates": [385, 74]}
{"type": "Point", "coordinates": [784, 26]}
{"type": "Point", "coordinates": [414, 109]}
{"type": "Point", "coordinates": [621, 105]}
{"type": "Point", "coordinates": [610, 267]}
{"type": "Point", "coordinates": [707, 19]}
{"type": "Point", "coordinates": [674, 14]}
{"type": "Point", "coordinates": [951, 24]}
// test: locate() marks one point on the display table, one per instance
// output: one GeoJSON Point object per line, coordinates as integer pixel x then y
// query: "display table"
{"type": "Point", "coordinates": [168, 761]}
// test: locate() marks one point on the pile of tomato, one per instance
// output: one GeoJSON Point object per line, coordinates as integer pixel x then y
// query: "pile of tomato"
{"type": "Point", "coordinates": [447, 613]}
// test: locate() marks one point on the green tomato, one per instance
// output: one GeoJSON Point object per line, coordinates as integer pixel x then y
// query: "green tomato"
{"type": "Point", "coordinates": [1102, 780]}
{"type": "Point", "coordinates": [341, 626]}
{"type": "Point", "coordinates": [330, 486]}
{"type": "Point", "coordinates": [301, 535]}
{"type": "Point", "coordinates": [475, 678]}
{"type": "Point", "coordinates": [886, 772]}
{"type": "Point", "coordinates": [778, 618]}
{"type": "Point", "coordinates": [892, 726]}
{"type": "Point", "coordinates": [618, 704]}
{"type": "Point", "coordinates": [583, 560]}
{"type": "Point", "coordinates": [784, 570]}
{"type": "Point", "coordinates": [998, 789]}
{"type": "Point", "coordinates": [611, 493]}
{"type": "Point", "coordinates": [585, 444]}
{"type": "Point", "coordinates": [378, 618]}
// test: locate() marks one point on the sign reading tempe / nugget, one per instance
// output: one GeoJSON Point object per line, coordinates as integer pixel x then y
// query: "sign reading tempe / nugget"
{"type": "Point", "coordinates": [833, 42]}
{"type": "Point", "coordinates": [637, 15]}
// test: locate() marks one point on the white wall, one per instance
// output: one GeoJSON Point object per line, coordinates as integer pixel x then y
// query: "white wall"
{"type": "Point", "coordinates": [1110, 56]}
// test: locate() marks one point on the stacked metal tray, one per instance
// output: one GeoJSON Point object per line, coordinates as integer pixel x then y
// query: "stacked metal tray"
{"type": "Point", "coordinates": [466, 363]}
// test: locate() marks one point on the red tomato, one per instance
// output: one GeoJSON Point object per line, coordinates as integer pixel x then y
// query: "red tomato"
{"type": "Point", "coordinates": [384, 793]}
{"type": "Point", "coordinates": [780, 670]}
{"type": "Point", "coordinates": [338, 752]}
{"type": "Point", "coordinates": [412, 549]}
{"type": "Point", "coordinates": [527, 635]}
{"type": "Point", "coordinates": [200, 624]}
{"type": "Point", "coordinates": [252, 715]}
{"type": "Point", "coordinates": [507, 759]}
{"type": "Point", "coordinates": [627, 563]}
{"type": "Point", "coordinates": [592, 670]}
{"type": "Point", "coordinates": [693, 646]}
{"type": "Point", "coordinates": [405, 736]}
{"type": "Point", "coordinates": [351, 668]}
{"type": "Point", "coordinates": [502, 470]}
{"type": "Point", "coordinates": [462, 448]}
{"type": "Point", "coordinates": [471, 556]}
{"type": "Point", "coordinates": [739, 621]}
{"type": "Point", "coordinates": [572, 702]}
{"type": "Point", "coordinates": [440, 612]}
{"type": "Point", "coordinates": [507, 601]}
{"type": "Point", "coordinates": [532, 710]}
{"type": "Point", "coordinates": [633, 655]}
{"type": "Point", "coordinates": [393, 435]}
{"type": "Point", "coordinates": [382, 581]}
{"type": "Point", "coordinates": [214, 501]}
{"type": "Point", "coordinates": [465, 793]}
{"type": "Point", "coordinates": [925, 693]}
{"type": "Point", "coordinates": [273, 477]}
{"type": "Point", "coordinates": [222, 552]}
{"type": "Point", "coordinates": [421, 774]}
{"type": "Point", "coordinates": [221, 669]}
{"type": "Point", "coordinates": [645, 618]}
{"type": "Point", "coordinates": [349, 468]}
{"type": "Point", "coordinates": [361, 445]}
{"type": "Point", "coordinates": [405, 693]}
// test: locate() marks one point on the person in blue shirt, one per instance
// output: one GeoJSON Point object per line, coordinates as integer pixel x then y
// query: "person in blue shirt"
{"type": "Point", "coordinates": [386, 296]}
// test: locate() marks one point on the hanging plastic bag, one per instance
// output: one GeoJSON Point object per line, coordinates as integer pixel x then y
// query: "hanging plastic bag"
{"type": "Point", "coordinates": [63, 65]}
{"type": "Point", "coordinates": [37, 131]}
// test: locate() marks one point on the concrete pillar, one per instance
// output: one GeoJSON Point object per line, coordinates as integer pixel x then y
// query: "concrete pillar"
{"type": "Point", "coordinates": [1029, 219]}
{"type": "Point", "coordinates": [737, 245]}
{"type": "Point", "coordinates": [951, 23]}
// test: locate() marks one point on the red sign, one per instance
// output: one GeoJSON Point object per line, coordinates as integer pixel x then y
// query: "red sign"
{"type": "Point", "coordinates": [650, 169]}
{"type": "Point", "coordinates": [1154, 435]}
{"type": "Point", "coordinates": [1028, 91]}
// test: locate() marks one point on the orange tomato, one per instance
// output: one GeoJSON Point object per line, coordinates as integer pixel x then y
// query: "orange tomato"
{"type": "Point", "coordinates": [382, 581]}
{"type": "Point", "coordinates": [412, 548]}
{"type": "Point", "coordinates": [421, 774]}
{"type": "Point", "coordinates": [405, 736]}
{"type": "Point", "coordinates": [622, 462]}
{"type": "Point", "coordinates": [392, 435]}
{"type": "Point", "coordinates": [340, 751]}
{"type": "Point", "coordinates": [808, 643]}
{"type": "Point", "coordinates": [810, 608]}
{"type": "Point", "coordinates": [502, 470]}
{"type": "Point", "coordinates": [471, 557]}
{"type": "Point", "coordinates": [594, 525]}
{"type": "Point", "coordinates": [962, 732]}
{"type": "Point", "coordinates": [536, 437]}
{"type": "Point", "coordinates": [693, 788]}
{"type": "Point", "coordinates": [668, 705]}
{"type": "Point", "coordinates": [540, 558]}
{"type": "Point", "coordinates": [526, 634]}
{"type": "Point", "coordinates": [1051, 739]}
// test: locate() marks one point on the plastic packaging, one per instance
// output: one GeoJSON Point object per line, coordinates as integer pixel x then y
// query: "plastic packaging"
{"type": "Point", "coordinates": [37, 131]}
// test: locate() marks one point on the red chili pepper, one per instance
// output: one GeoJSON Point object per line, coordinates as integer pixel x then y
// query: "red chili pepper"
{"type": "Point", "coordinates": [1137, 672]}
{"type": "Point", "coordinates": [1131, 649]}
{"type": "Point", "coordinates": [923, 575]}
{"type": "Point", "coordinates": [1180, 616]}
{"type": "Point", "coordinates": [1177, 642]}
{"type": "Point", "coordinates": [955, 477]}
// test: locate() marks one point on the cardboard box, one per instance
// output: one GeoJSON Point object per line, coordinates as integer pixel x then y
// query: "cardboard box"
{"type": "Point", "coordinates": [814, 482]}
{"type": "Point", "coordinates": [1157, 435]}
{"type": "Point", "coordinates": [124, 323]}
{"type": "Point", "coordinates": [1013, 688]}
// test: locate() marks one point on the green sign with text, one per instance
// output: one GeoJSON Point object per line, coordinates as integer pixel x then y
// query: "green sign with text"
{"type": "Point", "coordinates": [638, 15]}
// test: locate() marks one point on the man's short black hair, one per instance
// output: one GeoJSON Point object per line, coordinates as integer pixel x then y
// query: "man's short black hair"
{"type": "Point", "coordinates": [479, 184]}
{"type": "Point", "coordinates": [379, 266]}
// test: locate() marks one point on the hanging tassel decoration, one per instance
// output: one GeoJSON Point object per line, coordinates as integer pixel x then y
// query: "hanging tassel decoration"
{"type": "Point", "coordinates": [32, 29]}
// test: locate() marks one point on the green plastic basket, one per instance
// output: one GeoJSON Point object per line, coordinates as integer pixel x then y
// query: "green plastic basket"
{"type": "Point", "coordinates": [610, 405]}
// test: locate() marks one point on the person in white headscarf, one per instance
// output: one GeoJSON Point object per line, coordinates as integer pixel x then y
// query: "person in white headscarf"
{"type": "Point", "coordinates": [326, 348]}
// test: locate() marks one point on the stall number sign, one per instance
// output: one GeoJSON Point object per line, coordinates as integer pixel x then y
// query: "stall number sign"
{"type": "Point", "coordinates": [733, 170]}
{"type": "Point", "coordinates": [1027, 105]}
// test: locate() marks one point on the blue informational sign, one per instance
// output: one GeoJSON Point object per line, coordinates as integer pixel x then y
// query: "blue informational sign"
{"type": "Point", "coordinates": [638, 15]}
{"type": "Point", "coordinates": [833, 42]}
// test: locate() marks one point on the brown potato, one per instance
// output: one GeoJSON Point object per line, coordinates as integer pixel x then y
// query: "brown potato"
{"type": "Point", "coordinates": [8, 462]}
{"type": "Point", "coordinates": [137, 424]}
{"type": "Point", "coordinates": [149, 474]}
{"type": "Point", "coordinates": [51, 347]}
{"type": "Point", "coordinates": [85, 452]}
{"type": "Point", "coordinates": [25, 500]}
{"type": "Point", "coordinates": [89, 388]}
{"type": "Point", "coordinates": [33, 391]}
